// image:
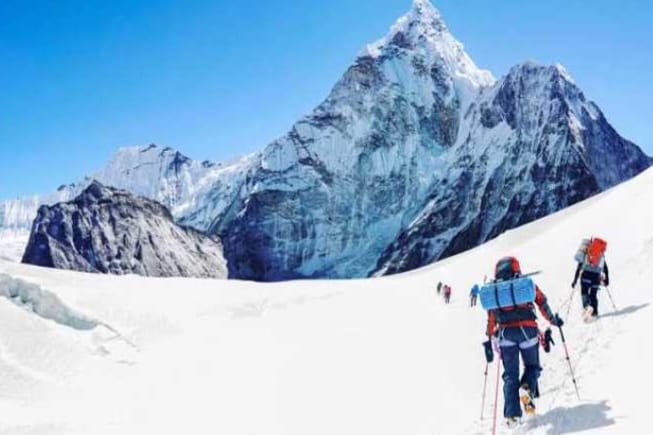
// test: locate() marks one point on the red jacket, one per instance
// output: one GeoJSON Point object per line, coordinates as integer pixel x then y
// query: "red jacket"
{"type": "Point", "coordinates": [524, 315]}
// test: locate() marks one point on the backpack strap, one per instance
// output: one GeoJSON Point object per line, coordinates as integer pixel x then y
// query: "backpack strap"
{"type": "Point", "coordinates": [512, 293]}
{"type": "Point", "coordinates": [496, 296]}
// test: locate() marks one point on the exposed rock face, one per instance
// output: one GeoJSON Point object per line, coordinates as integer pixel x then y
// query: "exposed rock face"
{"type": "Point", "coordinates": [534, 145]}
{"type": "Point", "coordinates": [106, 230]}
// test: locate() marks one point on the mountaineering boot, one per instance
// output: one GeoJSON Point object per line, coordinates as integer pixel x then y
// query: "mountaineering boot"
{"type": "Point", "coordinates": [587, 314]}
{"type": "Point", "coordinates": [526, 399]}
{"type": "Point", "coordinates": [512, 422]}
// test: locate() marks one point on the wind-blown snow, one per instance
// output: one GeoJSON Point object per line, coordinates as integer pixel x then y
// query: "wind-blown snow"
{"type": "Point", "coordinates": [381, 356]}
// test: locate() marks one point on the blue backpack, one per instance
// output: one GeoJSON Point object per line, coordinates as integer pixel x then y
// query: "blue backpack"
{"type": "Point", "coordinates": [507, 294]}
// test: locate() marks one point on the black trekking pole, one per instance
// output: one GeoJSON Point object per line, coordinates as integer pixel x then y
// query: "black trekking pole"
{"type": "Point", "coordinates": [611, 300]}
{"type": "Point", "coordinates": [487, 365]}
{"type": "Point", "coordinates": [571, 369]}
{"type": "Point", "coordinates": [569, 302]}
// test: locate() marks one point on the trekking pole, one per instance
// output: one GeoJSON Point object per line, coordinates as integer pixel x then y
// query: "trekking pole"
{"type": "Point", "coordinates": [484, 390]}
{"type": "Point", "coordinates": [611, 300]}
{"type": "Point", "coordinates": [496, 395]}
{"type": "Point", "coordinates": [569, 301]}
{"type": "Point", "coordinates": [571, 369]}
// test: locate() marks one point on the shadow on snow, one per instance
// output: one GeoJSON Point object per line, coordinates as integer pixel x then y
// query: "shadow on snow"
{"type": "Point", "coordinates": [625, 311]}
{"type": "Point", "coordinates": [565, 420]}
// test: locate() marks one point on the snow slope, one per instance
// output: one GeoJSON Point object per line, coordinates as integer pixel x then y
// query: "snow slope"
{"type": "Point", "coordinates": [378, 356]}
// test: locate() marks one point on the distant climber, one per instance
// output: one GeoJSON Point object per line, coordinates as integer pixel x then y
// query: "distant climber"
{"type": "Point", "coordinates": [512, 329]}
{"type": "Point", "coordinates": [439, 287]}
{"type": "Point", "coordinates": [593, 272]}
{"type": "Point", "coordinates": [473, 295]}
{"type": "Point", "coordinates": [447, 293]}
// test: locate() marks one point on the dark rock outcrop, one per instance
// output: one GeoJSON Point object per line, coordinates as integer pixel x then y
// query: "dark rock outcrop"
{"type": "Point", "coordinates": [106, 230]}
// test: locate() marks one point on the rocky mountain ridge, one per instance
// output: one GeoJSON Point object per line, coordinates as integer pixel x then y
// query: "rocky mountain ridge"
{"type": "Point", "coordinates": [106, 230]}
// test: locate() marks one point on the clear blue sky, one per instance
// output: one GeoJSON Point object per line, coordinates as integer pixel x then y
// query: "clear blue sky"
{"type": "Point", "coordinates": [217, 79]}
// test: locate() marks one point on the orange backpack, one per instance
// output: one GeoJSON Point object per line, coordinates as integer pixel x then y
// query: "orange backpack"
{"type": "Point", "coordinates": [595, 253]}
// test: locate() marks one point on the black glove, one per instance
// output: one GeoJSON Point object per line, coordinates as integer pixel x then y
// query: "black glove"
{"type": "Point", "coordinates": [489, 353]}
{"type": "Point", "coordinates": [548, 340]}
{"type": "Point", "coordinates": [557, 321]}
{"type": "Point", "coordinates": [606, 281]}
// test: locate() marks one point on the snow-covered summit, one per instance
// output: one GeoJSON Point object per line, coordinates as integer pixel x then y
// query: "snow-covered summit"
{"type": "Point", "coordinates": [554, 71]}
{"type": "Point", "coordinates": [156, 172]}
{"type": "Point", "coordinates": [424, 13]}
{"type": "Point", "coordinates": [424, 31]}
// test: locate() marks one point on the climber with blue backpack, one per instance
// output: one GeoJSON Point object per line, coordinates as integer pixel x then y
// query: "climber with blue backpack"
{"type": "Point", "coordinates": [512, 330]}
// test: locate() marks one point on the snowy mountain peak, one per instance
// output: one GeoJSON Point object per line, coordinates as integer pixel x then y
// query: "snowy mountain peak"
{"type": "Point", "coordinates": [423, 31]}
{"type": "Point", "coordinates": [153, 171]}
{"type": "Point", "coordinates": [416, 155]}
{"type": "Point", "coordinates": [134, 156]}
{"type": "Point", "coordinates": [563, 72]}
{"type": "Point", "coordinates": [96, 190]}
{"type": "Point", "coordinates": [423, 11]}
{"type": "Point", "coordinates": [555, 71]}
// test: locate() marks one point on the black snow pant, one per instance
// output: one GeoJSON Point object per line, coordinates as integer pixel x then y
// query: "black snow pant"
{"type": "Point", "coordinates": [590, 283]}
